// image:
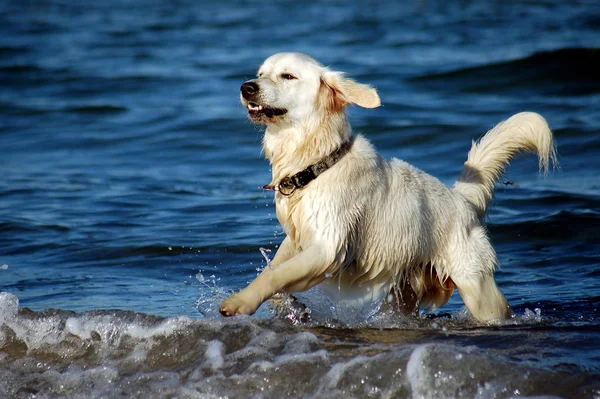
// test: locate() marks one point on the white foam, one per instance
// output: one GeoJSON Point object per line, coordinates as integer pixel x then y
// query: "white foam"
{"type": "Point", "coordinates": [214, 355]}
{"type": "Point", "coordinates": [261, 366]}
{"type": "Point", "coordinates": [264, 339]}
{"type": "Point", "coordinates": [106, 328]}
{"type": "Point", "coordinates": [301, 342]}
{"type": "Point", "coordinates": [167, 327]}
{"type": "Point", "coordinates": [73, 326]}
{"type": "Point", "coordinates": [415, 372]}
{"type": "Point", "coordinates": [9, 306]}
{"type": "Point", "coordinates": [428, 378]}
{"type": "Point", "coordinates": [333, 377]}
{"type": "Point", "coordinates": [139, 353]}
{"type": "Point", "coordinates": [296, 358]}
{"type": "Point", "coordinates": [34, 332]}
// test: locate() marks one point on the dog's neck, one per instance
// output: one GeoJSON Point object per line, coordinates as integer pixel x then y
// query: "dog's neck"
{"type": "Point", "coordinates": [292, 148]}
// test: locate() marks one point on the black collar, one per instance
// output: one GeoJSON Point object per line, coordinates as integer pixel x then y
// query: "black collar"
{"type": "Point", "coordinates": [289, 184]}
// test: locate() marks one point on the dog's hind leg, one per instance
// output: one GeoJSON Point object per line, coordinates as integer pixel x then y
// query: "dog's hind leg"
{"type": "Point", "coordinates": [472, 271]}
{"type": "Point", "coordinates": [422, 290]}
{"type": "Point", "coordinates": [483, 298]}
{"type": "Point", "coordinates": [438, 291]}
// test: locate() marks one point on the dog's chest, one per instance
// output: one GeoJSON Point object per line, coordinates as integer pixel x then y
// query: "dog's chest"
{"type": "Point", "coordinates": [294, 217]}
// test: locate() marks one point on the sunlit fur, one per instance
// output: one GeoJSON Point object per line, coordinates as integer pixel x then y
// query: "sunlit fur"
{"type": "Point", "coordinates": [369, 227]}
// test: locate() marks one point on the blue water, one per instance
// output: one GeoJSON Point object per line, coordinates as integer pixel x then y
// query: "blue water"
{"type": "Point", "coordinates": [131, 177]}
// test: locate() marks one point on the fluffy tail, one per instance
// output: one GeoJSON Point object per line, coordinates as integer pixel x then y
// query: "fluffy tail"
{"type": "Point", "coordinates": [489, 156]}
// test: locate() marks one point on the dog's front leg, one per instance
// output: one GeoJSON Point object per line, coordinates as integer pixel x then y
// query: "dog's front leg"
{"type": "Point", "coordinates": [299, 273]}
{"type": "Point", "coordinates": [286, 251]}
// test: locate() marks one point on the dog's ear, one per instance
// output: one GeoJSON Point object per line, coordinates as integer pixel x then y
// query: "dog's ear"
{"type": "Point", "coordinates": [338, 91]}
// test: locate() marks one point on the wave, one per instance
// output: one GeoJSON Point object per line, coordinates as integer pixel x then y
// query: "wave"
{"type": "Point", "coordinates": [563, 72]}
{"type": "Point", "coordinates": [123, 353]}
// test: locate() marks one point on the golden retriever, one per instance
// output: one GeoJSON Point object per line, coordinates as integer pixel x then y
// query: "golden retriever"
{"type": "Point", "coordinates": [369, 229]}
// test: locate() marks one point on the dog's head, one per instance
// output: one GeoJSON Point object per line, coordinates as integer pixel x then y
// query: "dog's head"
{"type": "Point", "coordinates": [292, 86]}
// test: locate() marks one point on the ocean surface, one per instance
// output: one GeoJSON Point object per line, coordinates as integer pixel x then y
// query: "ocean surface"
{"type": "Point", "coordinates": [131, 200]}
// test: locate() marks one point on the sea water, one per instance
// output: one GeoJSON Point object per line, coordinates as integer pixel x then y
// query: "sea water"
{"type": "Point", "coordinates": [130, 199]}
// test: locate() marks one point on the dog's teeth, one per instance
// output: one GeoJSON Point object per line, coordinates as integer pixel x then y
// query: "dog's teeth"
{"type": "Point", "coordinates": [255, 107]}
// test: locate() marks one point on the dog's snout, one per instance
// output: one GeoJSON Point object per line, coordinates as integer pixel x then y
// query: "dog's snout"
{"type": "Point", "coordinates": [249, 89]}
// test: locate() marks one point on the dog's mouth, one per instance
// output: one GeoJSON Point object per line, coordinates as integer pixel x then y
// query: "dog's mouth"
{"type": "Point", "coordinates": [256, 110]}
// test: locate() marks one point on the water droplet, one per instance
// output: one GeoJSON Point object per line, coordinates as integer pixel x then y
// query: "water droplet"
{"type": "Point", "coordinates": [265, 253]}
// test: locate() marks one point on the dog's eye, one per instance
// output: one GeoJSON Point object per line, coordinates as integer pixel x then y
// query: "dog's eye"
{"type": "Point", "coordinates": [287, 76]}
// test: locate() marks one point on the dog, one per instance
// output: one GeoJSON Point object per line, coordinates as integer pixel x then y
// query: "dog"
{"type": "Point", "coordinates": [365, 228]}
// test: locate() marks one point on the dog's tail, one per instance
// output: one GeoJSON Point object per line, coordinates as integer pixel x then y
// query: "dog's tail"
{"type": "Point", "coordinates": [489, 156]}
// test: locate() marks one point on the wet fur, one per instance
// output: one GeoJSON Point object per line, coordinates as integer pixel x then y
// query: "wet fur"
{"type": "Point", "coordinates": [368, 226]}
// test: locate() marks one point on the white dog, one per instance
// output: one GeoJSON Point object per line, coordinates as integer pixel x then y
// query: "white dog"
{"type": "Point", "coordinates": [367, 228]}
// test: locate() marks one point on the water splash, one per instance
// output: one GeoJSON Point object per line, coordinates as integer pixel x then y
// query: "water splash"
{"type": "Point", "coordinates": [211, 294]}
{"type": "Point", "coordinates": [534, 315]}
{"type": "Point", "coordinates": [265, 253]}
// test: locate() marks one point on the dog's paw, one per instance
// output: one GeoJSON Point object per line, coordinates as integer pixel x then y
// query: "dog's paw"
{"type": "Point", "coordinates": [234, 305]}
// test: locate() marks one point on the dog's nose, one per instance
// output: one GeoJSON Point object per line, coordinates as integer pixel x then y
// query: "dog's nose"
{"type": "Point", "coordinates": [249, 88]}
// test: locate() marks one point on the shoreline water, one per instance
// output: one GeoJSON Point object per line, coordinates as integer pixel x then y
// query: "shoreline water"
{"type": "Point", "coordinates": [131, 180]}
{"type": "Point", "coordinates": [114, 353]}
